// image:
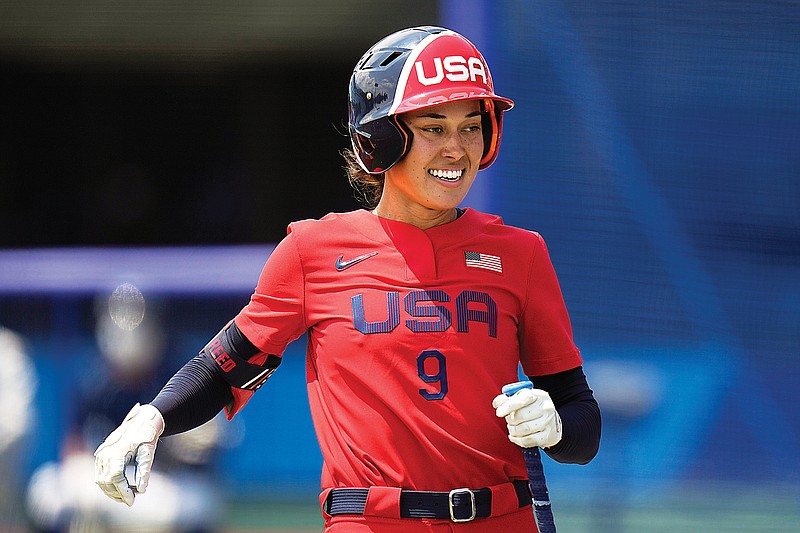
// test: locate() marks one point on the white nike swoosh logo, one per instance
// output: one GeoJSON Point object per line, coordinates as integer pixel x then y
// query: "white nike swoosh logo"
{"type": "Point", "coordinates": [342, 265]}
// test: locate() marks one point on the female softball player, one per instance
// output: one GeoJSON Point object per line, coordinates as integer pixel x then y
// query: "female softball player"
{"type": "Point", "coordinates": [418, 312]}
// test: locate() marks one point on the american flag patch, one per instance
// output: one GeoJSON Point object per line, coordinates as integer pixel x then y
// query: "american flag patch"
{"type": "Point", "coordinates": [485, 261]}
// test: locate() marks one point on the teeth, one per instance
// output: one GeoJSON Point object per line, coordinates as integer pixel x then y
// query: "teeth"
{"type": "Point", "coordinates": [448, 175]}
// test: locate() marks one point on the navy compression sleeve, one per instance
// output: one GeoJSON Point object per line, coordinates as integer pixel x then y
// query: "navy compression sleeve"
{"type": "Point", "coordinates": [193, 396]}
{"type": "Point", "coordinates": [579, 412]}
{"type": "Point", "coordinates": [198, 391]}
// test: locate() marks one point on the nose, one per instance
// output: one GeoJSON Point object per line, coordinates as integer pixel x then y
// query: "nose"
{"type": "Point", "coordinates": [454, 145]}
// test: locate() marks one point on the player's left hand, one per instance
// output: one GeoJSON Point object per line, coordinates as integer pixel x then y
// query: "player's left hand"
{"type": "Point", "coordinates": [531, 418]}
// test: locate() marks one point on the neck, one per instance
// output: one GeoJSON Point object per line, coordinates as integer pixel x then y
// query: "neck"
{"type": "Point", "coordinates": [422, 218]}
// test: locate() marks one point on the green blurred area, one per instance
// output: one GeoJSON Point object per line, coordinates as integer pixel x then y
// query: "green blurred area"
{"type": "Point", "coordinates": [732, 509]}
{"type": "Point", "coordinates": [273, 516]}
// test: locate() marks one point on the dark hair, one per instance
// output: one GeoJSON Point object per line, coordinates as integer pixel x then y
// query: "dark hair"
{"type": "Point", "coordinates": [368, 187]}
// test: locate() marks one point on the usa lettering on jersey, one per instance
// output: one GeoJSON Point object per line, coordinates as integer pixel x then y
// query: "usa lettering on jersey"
{"type": "Point", "coordinates": [428, 312]}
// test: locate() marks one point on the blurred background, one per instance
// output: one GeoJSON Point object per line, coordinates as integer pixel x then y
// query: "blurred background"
{"type": "Point", "coordinates": [152, 154]}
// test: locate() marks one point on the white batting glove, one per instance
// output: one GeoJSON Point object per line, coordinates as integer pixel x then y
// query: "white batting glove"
{"type": "Point", "coordinates": [531, 418]}
{"type": "Point", "coordinates": [136, 438]}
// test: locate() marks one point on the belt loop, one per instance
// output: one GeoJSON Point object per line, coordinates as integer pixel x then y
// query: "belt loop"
{"type": "Point", "coordinates": [383, 501]}
{"type": "Point", "coordinates": [324, 503]}
{"type": "Point", "coordinates": [451, 505]}
{"type": "Point", "coordinates": [505, 499]}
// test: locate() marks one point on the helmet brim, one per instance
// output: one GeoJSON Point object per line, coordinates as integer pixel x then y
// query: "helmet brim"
{"type": "Point", "coordinates": [451, 94]}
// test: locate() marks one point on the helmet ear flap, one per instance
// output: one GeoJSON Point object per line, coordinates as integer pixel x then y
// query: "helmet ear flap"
{"type": "Point", "coordinates": [492, 126]}
{"type": "Point", "coordinates": [380, 144]}
{"type": "Point", "coordinates": [362, 143]}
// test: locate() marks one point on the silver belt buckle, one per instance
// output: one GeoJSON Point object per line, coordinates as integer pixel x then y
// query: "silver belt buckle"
{"type": "Point", "coordinates": [451, 505]}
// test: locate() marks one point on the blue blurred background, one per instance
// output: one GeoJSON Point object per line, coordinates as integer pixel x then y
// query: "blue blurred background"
{"type": "Point", "coordinates": [655, 145]}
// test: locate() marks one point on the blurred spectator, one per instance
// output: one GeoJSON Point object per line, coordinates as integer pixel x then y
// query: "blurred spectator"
{"type": "Point", "coordinates": [62, 495]}
{"type": "Point", "coordinates": [17, 389]}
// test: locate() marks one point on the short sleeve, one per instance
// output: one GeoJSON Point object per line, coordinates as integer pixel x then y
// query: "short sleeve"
{"type": "Point", "coordinates": [274, 317]}
{"type": "Point", "coordinates": [547, 346]}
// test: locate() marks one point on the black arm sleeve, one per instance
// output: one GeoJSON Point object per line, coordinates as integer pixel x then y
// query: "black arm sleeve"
{"type": "Point", "coordinates": [579, 412]}
{"type": "Point", "coordinates": [198, 391]}
{"type": "Point", "coordinates": [193, 396]}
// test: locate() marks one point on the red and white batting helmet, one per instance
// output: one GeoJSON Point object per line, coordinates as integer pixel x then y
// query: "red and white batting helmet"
{"type": "Point", "coordinates": [413, 69]}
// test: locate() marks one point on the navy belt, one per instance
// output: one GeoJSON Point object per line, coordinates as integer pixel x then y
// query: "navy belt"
{"type": "Point", "coordinates": [458, 505]}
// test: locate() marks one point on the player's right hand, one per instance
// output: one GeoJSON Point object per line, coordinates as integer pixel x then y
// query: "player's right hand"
{"type": "Point", "coordinates": [531, 418]}
{"type": "Point", "coordinates": [136, 438]}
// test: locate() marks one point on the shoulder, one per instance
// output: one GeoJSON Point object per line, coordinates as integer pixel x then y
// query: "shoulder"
{"type": "Point", "coordinates": [522, 251]}
{"type": "Point", "coordinates": [329, 226]}
{"type": "Point", "coordinates": [334, 231]}
{"type": "Point", "coordinates": [493, 226]}
{"type": "Point", "coordinates": [329, 221]}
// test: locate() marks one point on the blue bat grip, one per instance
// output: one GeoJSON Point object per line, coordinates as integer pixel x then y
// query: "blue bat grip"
{"type": "Point", "coordinates": [512, 388]}
{"type": "Point", "coordinates": [533, 463]}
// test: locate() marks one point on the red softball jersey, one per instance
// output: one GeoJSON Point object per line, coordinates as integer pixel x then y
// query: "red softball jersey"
{"type": "Point", "coordinates": [411, 334]}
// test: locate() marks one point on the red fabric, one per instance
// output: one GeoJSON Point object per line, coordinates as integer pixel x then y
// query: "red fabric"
{"type": "Point", "coordinates": [387, 334]}
{"type": "Point", "coordinates": [383, 501]}
{"type": "Point", "coordinates": [504, 499]}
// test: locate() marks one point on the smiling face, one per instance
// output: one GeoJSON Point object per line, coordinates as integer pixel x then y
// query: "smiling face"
{"type": "Point", "coordinates": [426, 186]}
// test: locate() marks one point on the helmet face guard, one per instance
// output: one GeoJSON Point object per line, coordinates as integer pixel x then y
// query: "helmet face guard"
{"type": "Point", "coordinates": [414, 69]}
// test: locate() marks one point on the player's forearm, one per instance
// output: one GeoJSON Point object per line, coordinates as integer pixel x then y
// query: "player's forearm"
{"type": "Point", "coordinates": [580, 416]}
{"type": "Point", "coordinates": [193, 396]}
{"type": "Point", "coordinates": [580, 439]}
